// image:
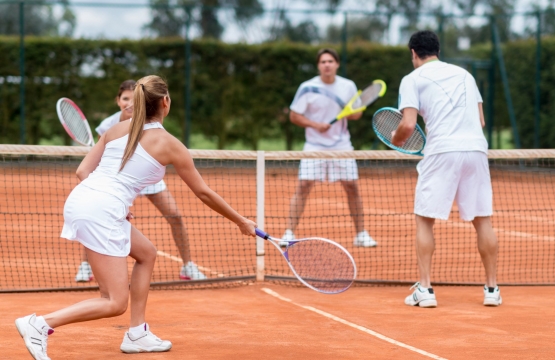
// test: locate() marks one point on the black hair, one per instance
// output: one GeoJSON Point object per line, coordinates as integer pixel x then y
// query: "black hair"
{"type": "Point", "coordinates": [424, 43]}
{"type": "Point", "coordinates": [332, 52]}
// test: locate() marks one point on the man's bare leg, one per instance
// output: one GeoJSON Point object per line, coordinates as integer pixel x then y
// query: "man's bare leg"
{"type": "Point", "coordinates": [298, 202]}
{"type": "Point", "coordinates": [425, 247]}
{"type": "Point", "coordinates": [488, 248]}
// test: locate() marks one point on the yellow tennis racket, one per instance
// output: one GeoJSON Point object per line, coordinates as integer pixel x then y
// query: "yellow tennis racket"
{"type": "Point", "coordinates": [367, 97]}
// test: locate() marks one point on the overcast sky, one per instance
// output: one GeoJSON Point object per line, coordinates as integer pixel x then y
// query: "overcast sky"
{"type": "Point", "coordinates": [128, 21]}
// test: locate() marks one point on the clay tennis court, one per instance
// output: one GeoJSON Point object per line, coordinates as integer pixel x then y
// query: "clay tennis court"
{"type": "Point", "coordinates": [248, 323]}
{"type": "Point", "coordinates": [243, 321]}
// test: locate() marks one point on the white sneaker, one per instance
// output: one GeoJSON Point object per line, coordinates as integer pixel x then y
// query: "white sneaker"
{"type": "Point", "coordinates": [364, 240]}
{"type": "Point", "coordinates": [36, 339]}
{"type": "Point", "coordinates": [423, 297]}
{"type": "Point", "coordinates": [287, 236]}
{"type": "Point", "coordinates": [190, 271]}
{"type": "Point", "coordinates": [492, 296]}
{"type": "Point", "coordinates": [146, 342]}
{"type": "Point", "coordinates": [84, 274]}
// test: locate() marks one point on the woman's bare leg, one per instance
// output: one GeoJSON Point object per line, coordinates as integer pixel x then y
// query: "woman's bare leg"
{"type": "Point", "coordinates": [166, 204]}
{"type": "Point", "coordinates": [113, 280]}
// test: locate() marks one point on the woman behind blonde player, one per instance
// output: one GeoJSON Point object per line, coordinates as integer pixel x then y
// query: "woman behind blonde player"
{"type": "Point", "coordinates": [124, 161]}
{"type": "Point", "coordinates": [157, 193]}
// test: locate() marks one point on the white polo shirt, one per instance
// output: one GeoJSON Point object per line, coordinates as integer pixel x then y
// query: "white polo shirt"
{"type": "Point", "coordinates": [447, 97]}
{"type": "Point", "coordinates": [321, 102]}
{"type": "Point", "coordinates": [108, 123]}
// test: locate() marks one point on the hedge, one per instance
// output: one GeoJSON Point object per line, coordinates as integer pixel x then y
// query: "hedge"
{"type": "Point", "coordinates": [239, 92]}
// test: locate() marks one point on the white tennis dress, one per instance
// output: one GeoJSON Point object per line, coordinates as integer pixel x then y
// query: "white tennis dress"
{"type": "Point", "coordinates": [107, 124]}
{"type": "Point", "coordinates": [95, 212]}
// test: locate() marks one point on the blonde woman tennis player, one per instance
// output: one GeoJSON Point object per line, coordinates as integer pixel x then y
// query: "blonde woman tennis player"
{"type": "Point", "coordinates": [455, 164]}
{"type": "Point", "coordinates": [157, 193]}
{"type": "Point", "coordinates": [128, 157]}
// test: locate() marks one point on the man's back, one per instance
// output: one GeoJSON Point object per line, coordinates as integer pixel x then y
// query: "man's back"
{"type": "Point", "coordinates": [447, 98]}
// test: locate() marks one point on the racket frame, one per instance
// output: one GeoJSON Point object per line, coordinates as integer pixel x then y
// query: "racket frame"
{"type": "Point", "coordinates": [67, 128]}
{"type": "Point", "coordinates": [276, 242]}
{"type": "Point", "coordinates": [388, 143]}
{"type": "Point", "coordinates": [348, 108]}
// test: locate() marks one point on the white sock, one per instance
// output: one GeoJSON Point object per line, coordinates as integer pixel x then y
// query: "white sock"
{"type": "Point", "coordinates": [137, 331]}
{"type": "Point", "coordinates": [41, 323]}
{"type": "Point", "coordinates": [190, 263]}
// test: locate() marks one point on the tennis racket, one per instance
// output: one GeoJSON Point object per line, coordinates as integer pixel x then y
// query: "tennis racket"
{"type": "Point", "coordinates": [318, 263]}
{"type": "Point", "coordinates": [385, 122]}
{"type": "Point", "coordinates": [367, 97]}
{"type": "Point", "coordinates": [74, 121]}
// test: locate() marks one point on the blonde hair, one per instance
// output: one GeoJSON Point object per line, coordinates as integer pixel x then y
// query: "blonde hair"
{"type": "Point", "coordinates": [146, 103]}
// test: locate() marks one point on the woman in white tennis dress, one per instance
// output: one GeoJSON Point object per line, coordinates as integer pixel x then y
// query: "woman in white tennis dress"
{"type": "Point", "coordinates": [129, 157]}
{"type": "Point", "coordinates": [157, 193]}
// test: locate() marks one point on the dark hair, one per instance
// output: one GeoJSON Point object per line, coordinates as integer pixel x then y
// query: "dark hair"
{"type": "Point", "coordinates": [146, 99]}
{"type": "Point", "coordinates": [126, 85]}
{"type": "Point", "coordinates": [332, 52]}
{"type": "Point", "coordinates": [424, 43]}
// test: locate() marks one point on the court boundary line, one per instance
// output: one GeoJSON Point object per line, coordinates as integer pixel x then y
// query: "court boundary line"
{"type": "Point", "coordinates": [179, 260]}
{"type": "Point", "coordinates": [353, 325]}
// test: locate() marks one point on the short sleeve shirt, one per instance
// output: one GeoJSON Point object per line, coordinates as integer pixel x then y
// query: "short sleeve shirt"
{"type": "Point", "coordinates": [321, 102]}
{"type": "Point", "coordinates": [108, 123]}
{"type": "Point", "coordinates": [446, 96]}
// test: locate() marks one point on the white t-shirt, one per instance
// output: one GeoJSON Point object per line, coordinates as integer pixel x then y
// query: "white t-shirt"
{"type": "Point", "coordinates": [447, 97]}
{"type": "Point", "coordinates": [321, 102]}
{"type": "Point", "coordinates": [108, 123]}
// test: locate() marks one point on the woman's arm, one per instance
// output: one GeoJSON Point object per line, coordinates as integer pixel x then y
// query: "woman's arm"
{"type": "Point", "coordinates": [185, 167]}
{"type": "Point", "coordinates": [91, 161]}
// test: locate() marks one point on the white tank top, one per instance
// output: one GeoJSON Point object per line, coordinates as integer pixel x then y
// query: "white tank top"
{"type": "Point", "coordinates": [140, 170]}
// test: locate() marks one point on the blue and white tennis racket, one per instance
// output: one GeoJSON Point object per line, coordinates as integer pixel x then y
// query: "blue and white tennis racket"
{"type": "Point", "coordinates": [385, 122]}
{"type": "Point", "coordinates": [320, 264]}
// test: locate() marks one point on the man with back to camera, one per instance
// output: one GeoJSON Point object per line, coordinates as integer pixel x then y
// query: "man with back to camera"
{"type": "Point", "coordinates": [455, 164]}
{"type": "Point", "coordinates": [316, 102]}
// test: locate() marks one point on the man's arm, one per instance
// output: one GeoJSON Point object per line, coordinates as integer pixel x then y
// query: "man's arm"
{"type": "Point", "coordinates": [302, 121]}
{"type": "Point", "coordinates": [406, 127]}
{"type": "Point", "coordinates": [354, 116]}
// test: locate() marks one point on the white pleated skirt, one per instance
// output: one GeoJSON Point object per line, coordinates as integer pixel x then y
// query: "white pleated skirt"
{"type": "Point", "coordinates": [98, 221]}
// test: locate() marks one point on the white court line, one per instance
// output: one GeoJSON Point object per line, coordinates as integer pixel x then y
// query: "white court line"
{"type": "Point", "coordinates": [177, 259]}
{"type": "Point", "coordinates": [467, 225]}
{"type": "Point", "coordinates": [358, 327]}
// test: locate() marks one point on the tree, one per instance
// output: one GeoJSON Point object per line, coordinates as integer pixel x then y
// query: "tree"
{"type": "Point", "coordinates": [39, 19]}
{"type": "Point", "coordinates": [170, 16]}
{"type": "Point", "coordinates": [305, 32]}
{"type": "Point", "coordinates": [366, 28]}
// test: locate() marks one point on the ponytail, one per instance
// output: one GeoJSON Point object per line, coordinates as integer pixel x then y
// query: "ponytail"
{"type": "Point", "coordinates": [146, 100]}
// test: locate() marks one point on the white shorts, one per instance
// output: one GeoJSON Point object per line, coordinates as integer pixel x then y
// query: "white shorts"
{"type": "Point", "coordinates": [98, 221]}
{"type": "Point", "coordinates": [328, 169]}
{"type": "Point", "coordinates": [460, 176]}
{"type": "Point", "coordinates": [154, 188]}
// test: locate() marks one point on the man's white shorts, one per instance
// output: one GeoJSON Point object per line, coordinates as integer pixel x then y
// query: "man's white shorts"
{"type": "Point", "coordinates": [328, 169]}
{"type": "Point", "coordinates": [461, 176]}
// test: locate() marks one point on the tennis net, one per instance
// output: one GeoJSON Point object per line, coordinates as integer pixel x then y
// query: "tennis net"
{"type": "Point", "coordinates": [36, 180]}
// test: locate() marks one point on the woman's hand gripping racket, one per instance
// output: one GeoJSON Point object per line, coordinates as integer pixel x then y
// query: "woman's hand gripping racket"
{"type": "Point", "coordinates": [74, 121]}
{"type": "Point", "coordinates": [318, 263]}
{"type": "Point", "coordinates": [367, 97]}
{"type": "Point", "coordinates": [386, 121]}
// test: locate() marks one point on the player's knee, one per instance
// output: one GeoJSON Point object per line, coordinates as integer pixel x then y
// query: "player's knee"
{"type": "Point", "coordinates": [119, 306]}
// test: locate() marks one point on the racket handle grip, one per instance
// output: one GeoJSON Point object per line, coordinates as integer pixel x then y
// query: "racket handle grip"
{"type": "Point", "coordinates": [261, 233]}
{"type": "Point", "coordinates": [333, 121]}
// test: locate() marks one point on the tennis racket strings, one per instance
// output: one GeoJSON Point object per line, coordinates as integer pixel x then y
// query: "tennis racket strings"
{"type": "Point", "coordinates": [371, 94]}
{"type": "Point", "coordinates": [387, 121]}
{"type": "Point", "coordinates": [322, 265]}
{"type": "Point", "coordinates": [75, 122]}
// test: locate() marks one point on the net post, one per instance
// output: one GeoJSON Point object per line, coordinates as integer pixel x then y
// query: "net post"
{"type": "Point", "coordinates": [260, 173]}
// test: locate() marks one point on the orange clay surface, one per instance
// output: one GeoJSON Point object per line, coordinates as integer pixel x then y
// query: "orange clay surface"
{"type": "Point", "coordinates": [248, 323]}
{"type": "Point", "coordinates": [31, 218]}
